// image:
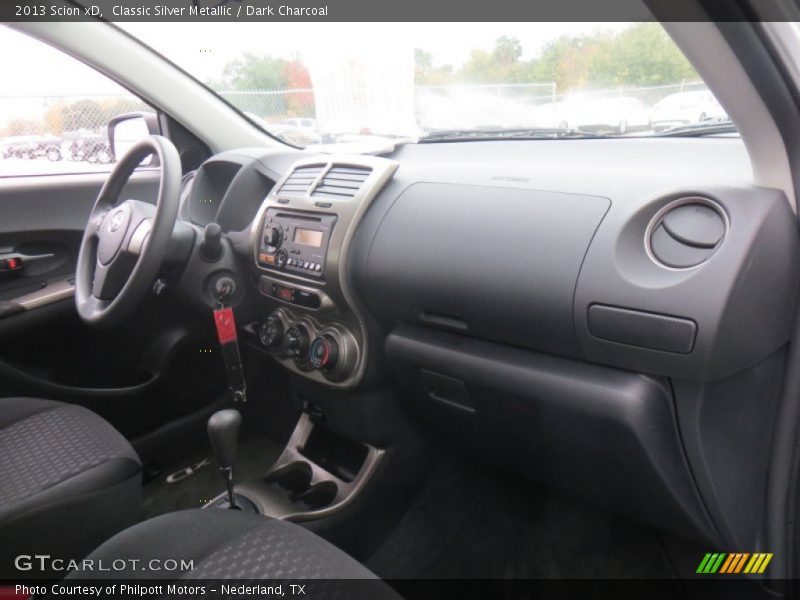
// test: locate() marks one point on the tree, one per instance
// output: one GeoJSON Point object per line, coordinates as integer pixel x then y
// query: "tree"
{"type": "Point", "coordinates": [300, 103]}
{"type": "Point", "coordinates": [567, 61]}
{"type": "Point", "coordinates": [23, 127]}
{"type": "Point", "coordinates": [640, 55]}
{"type": "Point", "coordinates": [54, 118]}
{"type": "Point", "coordinates": [261, 73]}
{"type": "Point", "coordinates": [83, 114]}
{"type": "Point", "coordinates": [254, 72]}
{"type": "Point", "coordinates": [426, 73]}
{"type": "Point", "coordinates": [507, 50]}
{"type": "Point", "coordinates": [500, 65]}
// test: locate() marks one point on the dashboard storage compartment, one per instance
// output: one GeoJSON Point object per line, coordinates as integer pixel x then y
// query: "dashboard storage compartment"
{"type": "Point", "coordinates": [467, 257]}
{"type": "Point", "coordinates": [600, 434]}
{"type": "Point", "coordinates": [643, 329]}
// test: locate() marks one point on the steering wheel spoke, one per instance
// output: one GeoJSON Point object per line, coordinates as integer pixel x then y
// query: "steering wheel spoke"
{"type": "Point", "coordinates": [95, 222]}
{"type": "Point", "coordinates": [109, 279]}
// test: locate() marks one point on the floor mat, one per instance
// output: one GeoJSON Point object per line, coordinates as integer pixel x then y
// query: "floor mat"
{"type": "Point", "coordinates": [193, 481]}
{"type": "Point", "coordinates": [472, 522]}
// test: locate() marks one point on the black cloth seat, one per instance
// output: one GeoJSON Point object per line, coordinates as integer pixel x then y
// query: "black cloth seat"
{"type": "Point", "coordinates": [234, 545]}
{"type": "Point", "coordinates": [68, 480]}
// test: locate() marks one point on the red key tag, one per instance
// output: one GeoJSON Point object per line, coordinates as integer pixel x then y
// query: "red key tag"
{"type": "Point", "coordinates": [226, 333]}
{"type": "Point", "coordinates": [226, 325]}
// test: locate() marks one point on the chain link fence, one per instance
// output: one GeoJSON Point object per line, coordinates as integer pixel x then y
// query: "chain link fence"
{"type": "Point", "coordinates": [648, 95]}
{"type": "Point", "coordinates": [73, 128]}
{"type": "Point", "coordinates": [64, 129]}
{"type": "Point", "coordinates": [273, 106]}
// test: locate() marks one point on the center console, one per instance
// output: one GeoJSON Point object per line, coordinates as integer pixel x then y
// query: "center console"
{"type": "Point", "coordinates": [318, 473]}
{"type": "Point", "coordinates": [300, 242]}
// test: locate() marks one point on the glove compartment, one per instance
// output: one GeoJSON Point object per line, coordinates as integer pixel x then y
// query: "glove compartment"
{"type": "Point", "coordinates": [600, 434]}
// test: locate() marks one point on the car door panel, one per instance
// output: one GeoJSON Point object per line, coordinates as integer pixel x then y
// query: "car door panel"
{"type": "Point", "coordinates": [42, 225]}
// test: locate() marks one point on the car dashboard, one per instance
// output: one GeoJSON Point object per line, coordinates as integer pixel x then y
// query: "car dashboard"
{"type": "Point", "coordinates": [589, 303]}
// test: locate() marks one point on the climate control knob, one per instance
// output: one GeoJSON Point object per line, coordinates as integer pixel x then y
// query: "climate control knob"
{"type": "Point", "coordinates": [270, 334]}
{"type": "Point", "coordinates": [324, 353]}
{"type": "Point", "coordinates": [295, 341]}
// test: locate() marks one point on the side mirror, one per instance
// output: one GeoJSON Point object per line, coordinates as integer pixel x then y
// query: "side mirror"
{"type": "Point", "coordinates": [126, 130]}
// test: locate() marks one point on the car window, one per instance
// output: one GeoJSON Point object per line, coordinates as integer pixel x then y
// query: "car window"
{"type": "Point", "coordinates": [344, 84]}
{"type": "Point", "coordinates": [54, 110]}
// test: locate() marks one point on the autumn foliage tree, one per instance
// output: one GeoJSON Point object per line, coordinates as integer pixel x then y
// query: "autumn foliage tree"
{"type": "Point", "coordinates": [258, 72]}
{"type": "Point", "coordinates": [299, 103]}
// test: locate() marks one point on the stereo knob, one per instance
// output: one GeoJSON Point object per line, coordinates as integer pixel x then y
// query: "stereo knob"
{"type": "Point", "coordinates": [270, 334]}
{"type": "Point", "coordinates": [273, 236]}
{"type": "Point", "coordinates": [295, 341]}
{"type": "Point", "coordinates": [324, 353]}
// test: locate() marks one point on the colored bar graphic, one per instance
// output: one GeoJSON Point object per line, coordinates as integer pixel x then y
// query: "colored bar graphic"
{"type": "Point", "coordinates": [703, 563]}
{"type": "Point", "coordinates": [734, 562]}
{"type": "Point", "coordinates": [727, 564]}
{"type": "Point", "coordinates": [740, 564]}
{"type": "Point", "coordinates": [767, 558]}
{"type": "Point", "coordinates": [717, 563]}
{"type": "Point", "coordinates": [737, 557]}
{"type": "Point", "coordinates": [753, 564]}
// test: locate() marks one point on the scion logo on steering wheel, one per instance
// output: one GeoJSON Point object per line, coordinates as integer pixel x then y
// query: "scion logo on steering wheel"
{"type": "Point", "coordinates": [116, 220]}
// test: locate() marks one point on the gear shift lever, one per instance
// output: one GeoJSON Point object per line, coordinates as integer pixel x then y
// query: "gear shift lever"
{"type": "Point", "coordinates": [223, 430]}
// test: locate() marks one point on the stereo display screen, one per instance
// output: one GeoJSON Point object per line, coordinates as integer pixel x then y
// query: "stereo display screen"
{"type": "Point", "coordinates": [308, 237]}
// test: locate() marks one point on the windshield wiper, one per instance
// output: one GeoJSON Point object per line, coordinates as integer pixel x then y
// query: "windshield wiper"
{"type": "Point", "coordinates": [700, 128]}
{"type": "Point", "coordinates": [528, 133]}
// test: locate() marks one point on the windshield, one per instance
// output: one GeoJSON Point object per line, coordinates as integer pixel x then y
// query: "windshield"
{"type": "Point", "coordinates": [310, 83]}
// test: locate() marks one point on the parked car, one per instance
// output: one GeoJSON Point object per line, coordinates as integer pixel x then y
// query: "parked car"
{"type": "Point", "coordinates": [16, 146]}
{"type": "Point", "coordinates": [685, 107]}
{"type": "Point", "coordinates": [48, 146]}
{"type": "Point", "coordinates": [87, 146]}
{"type": "Point", "coordinates": [301, 123]}
{"type": "Point", "coordinates": [593, 113]}
{"type": "Point", "coordinates": [465, 108]}
{"type": "Point", "coordinates": [296, 135]}
{"type": "Point", "coordinates": [22, 146]}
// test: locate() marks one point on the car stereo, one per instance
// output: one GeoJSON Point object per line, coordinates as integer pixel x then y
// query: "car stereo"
{"type": "Point", "coordinates": [295, 242]}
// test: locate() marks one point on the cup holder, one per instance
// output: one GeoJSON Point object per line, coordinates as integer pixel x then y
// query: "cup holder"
{"type": "Point", "coordinates": [317, 496]}
{"type": "Point", "coordinates": [295, 477]}
{"type": "Point", "coordinates": [288, 490]}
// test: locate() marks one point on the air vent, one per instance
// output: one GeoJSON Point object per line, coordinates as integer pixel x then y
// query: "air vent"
{"type": "Point", "coordinates": [687, 233]}
{"type": "Point", "coordinates": [299, 182]}
{"type": "Point", "coordinates": [341, 183]}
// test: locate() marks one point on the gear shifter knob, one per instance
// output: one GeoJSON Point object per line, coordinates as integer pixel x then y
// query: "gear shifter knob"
{"type": "Point", "coordinates": [223, 430]}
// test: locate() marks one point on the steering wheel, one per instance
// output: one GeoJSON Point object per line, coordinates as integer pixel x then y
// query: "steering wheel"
{"type": "Point", "coordinates": [125, 243]}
